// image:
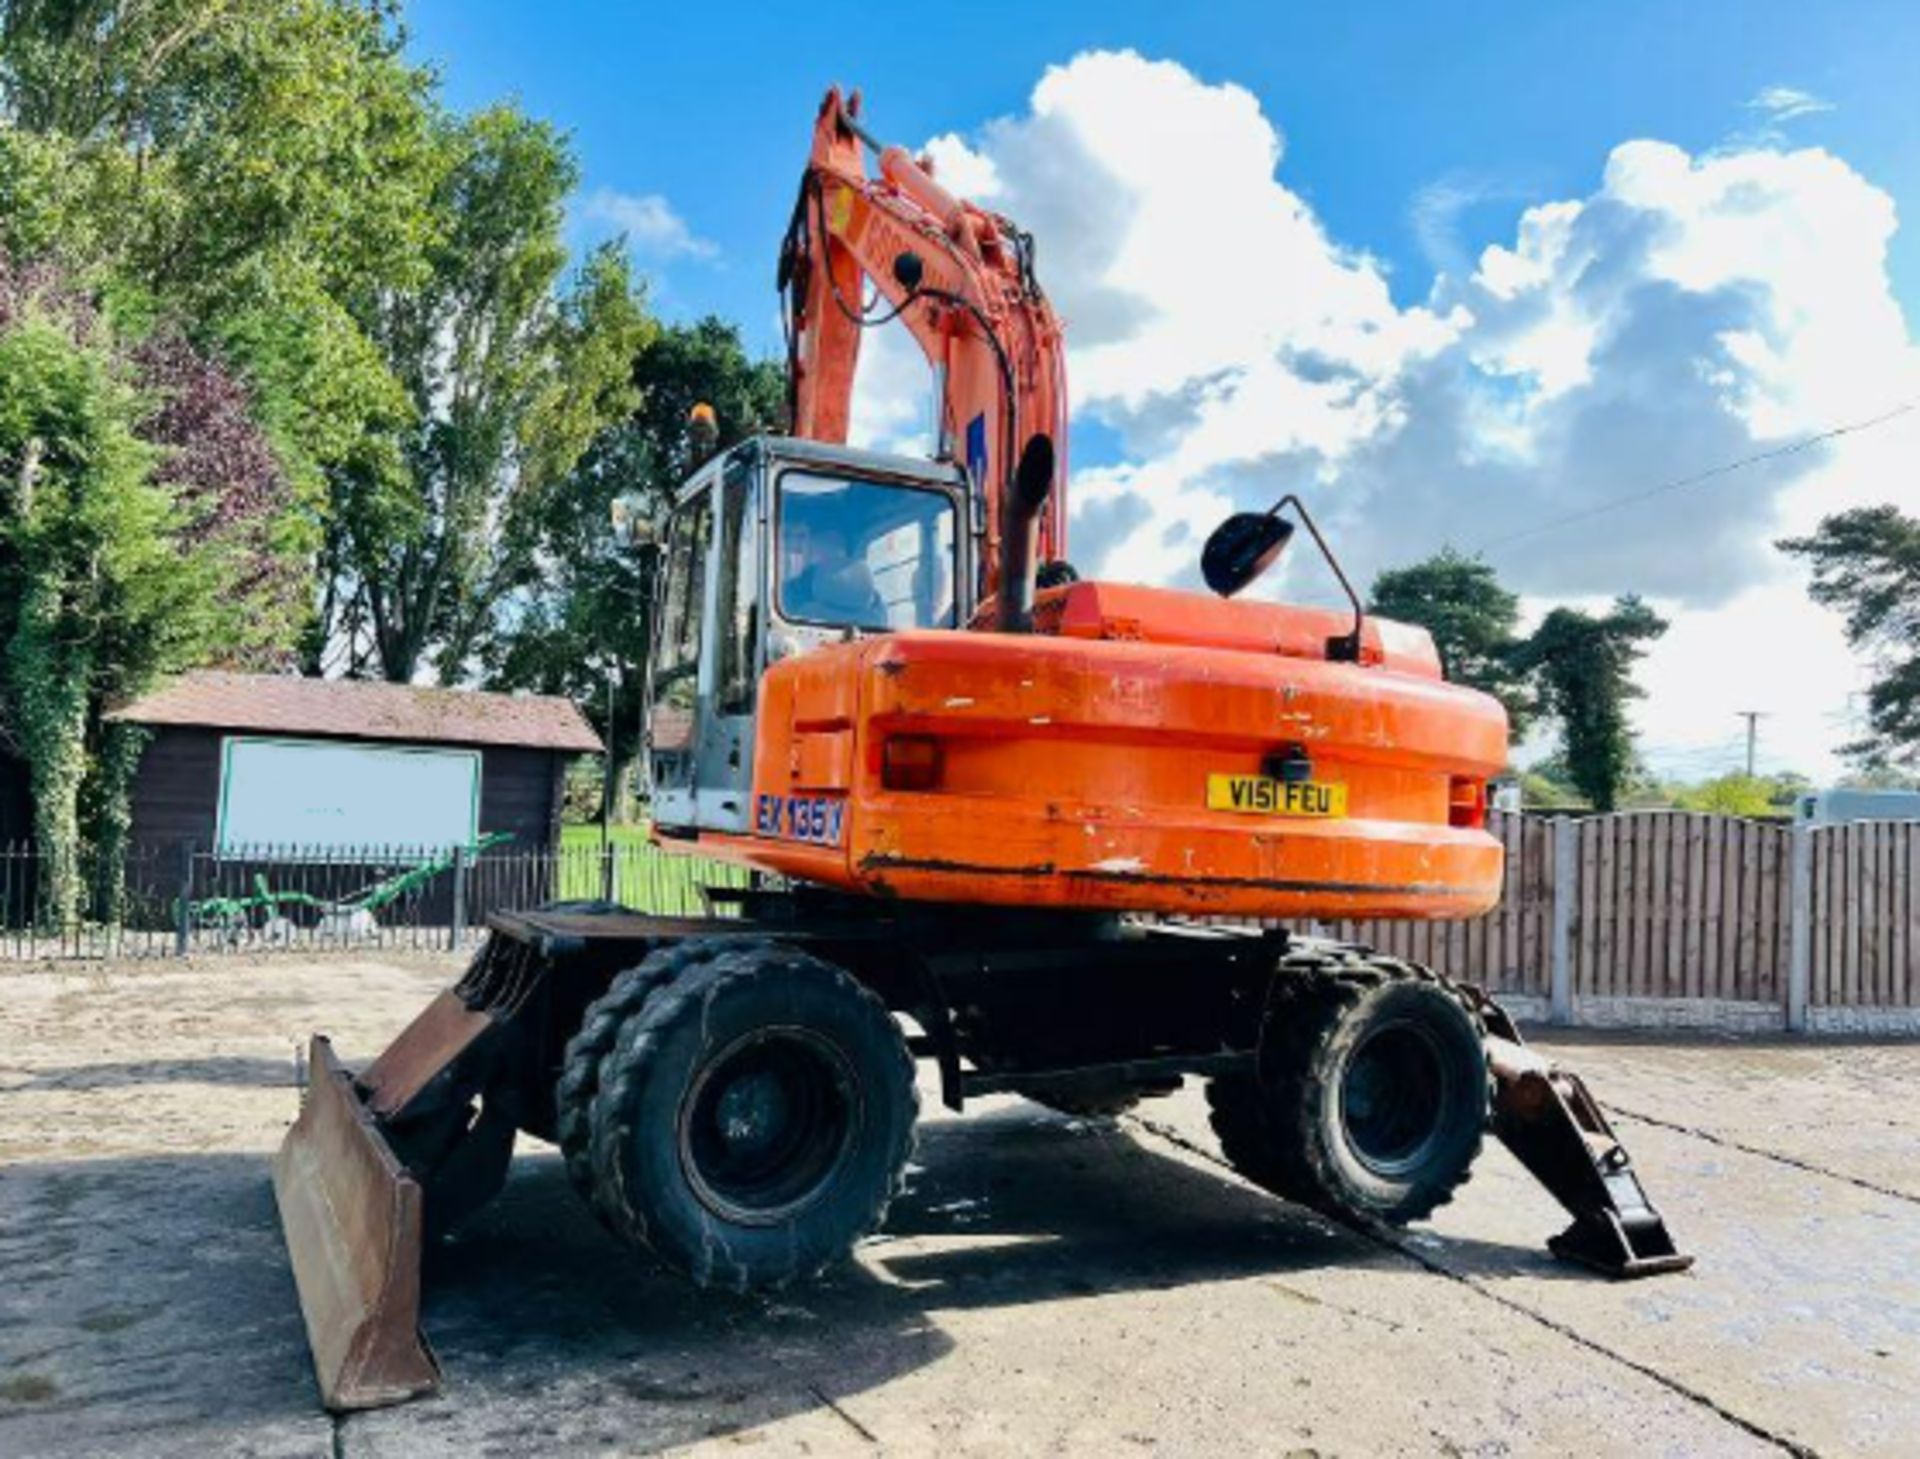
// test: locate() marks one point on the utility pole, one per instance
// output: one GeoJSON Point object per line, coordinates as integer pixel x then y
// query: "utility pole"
{"type": "Point", "coordinates": [1753, 718]}
{"type": "Point", "coordinates": [607, 790]}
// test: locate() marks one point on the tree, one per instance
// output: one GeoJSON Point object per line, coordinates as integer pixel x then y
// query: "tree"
{"type": "Point", "coordinates": [1545, 785]}
{"type": "Point", "coordinates": [1472, 619]}
{"type": "Point", "coordinates": [1584, 666]}
{"type": "Point", "coordinates": [509, 382]}
{"type": "Point", "coordinates": [1740, 794]}
{"type": "Point", "coordinates": [1866, 562]}
{"type": "Point", "coordinates": [583, 618]}
{"type": "Point", "coordinates": [258, 169]}
{"type": "Point", "coordinates": [140, 518]}
{"type": "Point", "coordinates": [382, 274]}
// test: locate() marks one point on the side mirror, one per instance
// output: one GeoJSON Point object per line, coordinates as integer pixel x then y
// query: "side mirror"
{"type": "Point", "coordinates": [1033, 477]}
{"type": "Point", "coordinates": [1241, 548]}
{"type": "Point", "coordinates": [632, 526]}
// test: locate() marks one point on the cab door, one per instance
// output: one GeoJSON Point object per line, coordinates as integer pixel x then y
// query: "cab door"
{"type": "Point", "coordinates": [673, 677]}
{"type": "Point", "coordinates": [730, 679]}
{"type": "Point", "coordinates": [707, 656]}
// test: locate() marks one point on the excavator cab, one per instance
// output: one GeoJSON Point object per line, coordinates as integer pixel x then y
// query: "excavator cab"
{"type": "Point", "coordinates": [774, 549]}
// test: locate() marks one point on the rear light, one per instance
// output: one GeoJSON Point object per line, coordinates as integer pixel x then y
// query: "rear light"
{"type": "Point", "coordinates": [1467, 803]}
{"type": "Point", "coordinates": [910, 762]}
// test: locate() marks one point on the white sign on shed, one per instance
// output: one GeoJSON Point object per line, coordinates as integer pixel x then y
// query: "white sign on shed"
{"type": "Point", "coordinates": [328, 796]}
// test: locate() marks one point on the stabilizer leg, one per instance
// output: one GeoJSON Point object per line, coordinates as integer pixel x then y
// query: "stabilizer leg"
{"type": "Point", "coordinates": [1546, 1117]}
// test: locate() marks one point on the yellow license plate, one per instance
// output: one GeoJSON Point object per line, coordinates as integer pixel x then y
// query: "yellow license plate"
{"type": "Point", "coordinates": [1260, 795]}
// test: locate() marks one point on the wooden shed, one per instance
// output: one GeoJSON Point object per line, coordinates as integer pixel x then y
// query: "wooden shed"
{"type": "Point", "coordinates": [240, 761]}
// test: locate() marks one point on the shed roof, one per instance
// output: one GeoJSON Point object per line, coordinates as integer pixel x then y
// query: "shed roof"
{"type": "Point", "coordinates": [363, 710]}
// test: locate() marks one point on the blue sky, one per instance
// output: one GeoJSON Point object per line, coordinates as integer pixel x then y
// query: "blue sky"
{"type": "Point", "coordinates": [711, 106]}
{"type": "Point", "coordinates": [1516, 261]}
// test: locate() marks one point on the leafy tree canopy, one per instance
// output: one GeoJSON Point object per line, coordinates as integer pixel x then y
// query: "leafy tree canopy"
{"type": "Point", "coordinates": [1584, 665]}
{"type": "Point", "coordinates": [1739, 794]}
{"type": "Point", "coordinates": [140, 512]}
{"type": "Point", "coordinates": [385, 274]}
{"type": "Point", "coordinates": [305, 327]}
{"type": "Point", "coordinates": [1866, 563]}
{"type": "Point", "coordinates": [254, 168]}
{"type": "Point", "coordinates": [1472, 618]}
{"type": "Point", "coordinates": [508, 379]}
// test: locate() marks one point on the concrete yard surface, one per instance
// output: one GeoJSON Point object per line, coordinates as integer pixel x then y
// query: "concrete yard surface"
{"type": "Point", "coordinates": [1045, 1285]}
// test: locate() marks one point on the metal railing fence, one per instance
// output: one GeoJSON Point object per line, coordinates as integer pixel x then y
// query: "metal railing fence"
{"type": "Point", "coordinates": [176, 899]}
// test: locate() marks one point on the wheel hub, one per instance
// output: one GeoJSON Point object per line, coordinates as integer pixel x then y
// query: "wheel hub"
{"type": "Point", "coordinates": [1393, 1097]}
{"type": "Point", "coordinates": [752, 1111]}
{"type": "Point", "coordinates": [766, 1124]}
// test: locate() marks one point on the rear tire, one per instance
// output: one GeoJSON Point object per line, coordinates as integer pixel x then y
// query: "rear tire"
{"type": "Point", "coordinates": [754, 1119]}
{"type": "Point", "coordinates": [1371, 1099]}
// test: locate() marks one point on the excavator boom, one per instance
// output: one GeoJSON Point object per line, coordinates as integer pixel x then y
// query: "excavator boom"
{"type": "Point", "coordinates": [961, 281]}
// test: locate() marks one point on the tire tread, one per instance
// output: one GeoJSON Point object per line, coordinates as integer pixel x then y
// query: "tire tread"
{"type": "Point", "coordinates": [640, 1036]}
{"type": "Point", "coordinates": [1266, 1123]}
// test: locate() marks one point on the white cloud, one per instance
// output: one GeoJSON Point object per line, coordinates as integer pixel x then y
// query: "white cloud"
{"type": "Point", "coordinates": [1440, 209]}
{"type": "Point", "coordinates": [1784, 103]}
{"type": "Point", "coordinates": [1689, 311]}
{"type": "Point", "coordinates": [893, 398]}
{"type": "Point", "coordinates": [652, 227]}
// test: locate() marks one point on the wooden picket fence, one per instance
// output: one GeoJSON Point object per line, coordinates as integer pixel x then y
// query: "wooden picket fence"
{"type": "Point", "coordinates": [1506, 951]}
{"type": "Point", "coordinates": [1643, 915]}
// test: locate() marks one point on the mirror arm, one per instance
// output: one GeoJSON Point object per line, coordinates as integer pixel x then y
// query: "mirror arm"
{"type": "Point", "coordinates": [1342, 648]}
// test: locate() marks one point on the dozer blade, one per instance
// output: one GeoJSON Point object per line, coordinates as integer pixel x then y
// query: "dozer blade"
{"type": "Point", "coordinates": [354, 1223]}
{"type": "Point", "coordinates": [1545, 1115]}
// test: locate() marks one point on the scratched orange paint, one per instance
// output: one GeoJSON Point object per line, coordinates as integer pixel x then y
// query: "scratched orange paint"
{"type": "Point", "coordinates": [1074, 763]}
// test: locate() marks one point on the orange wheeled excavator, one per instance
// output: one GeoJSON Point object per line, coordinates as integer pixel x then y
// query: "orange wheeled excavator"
{"type": "Point", "coordinates": [999, 805]}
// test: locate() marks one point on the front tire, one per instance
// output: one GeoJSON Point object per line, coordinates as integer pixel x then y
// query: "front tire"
{"type": "Point", "coordinates": [591, 1043]}
{"type": "Point", "coordinates": [753, 1120]}
{"type": "Point", "coordinates": [1371, 1098]}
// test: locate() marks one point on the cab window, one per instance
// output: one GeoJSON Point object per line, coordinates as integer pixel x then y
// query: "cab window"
{"type": "Point", "coordinates": [677, 657]}
{"type": "Point", "coordinates": [858, 554]}
{"type": "Point", "coordinates": [739, 611]}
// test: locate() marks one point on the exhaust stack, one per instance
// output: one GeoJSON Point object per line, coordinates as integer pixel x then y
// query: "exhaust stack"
{"type": "Point", "coordinates": [1027, 492]}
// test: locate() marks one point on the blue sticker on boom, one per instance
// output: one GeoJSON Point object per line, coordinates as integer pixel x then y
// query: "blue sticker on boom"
{"type": "Point", "coordinates": [815, 819]}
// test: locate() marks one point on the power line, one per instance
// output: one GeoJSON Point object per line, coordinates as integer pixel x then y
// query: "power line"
{"type": "Point", "coordinates": [1792, 448]}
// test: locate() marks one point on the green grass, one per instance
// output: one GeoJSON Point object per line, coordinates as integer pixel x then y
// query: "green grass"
{"type": "Point", "coordinates": [645, 877]}
{"type": "Point", "coordinates": [589, 835]}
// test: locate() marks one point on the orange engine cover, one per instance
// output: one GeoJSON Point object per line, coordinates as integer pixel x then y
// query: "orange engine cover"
{"type": "Point", "coordinates": [1074, 767]}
